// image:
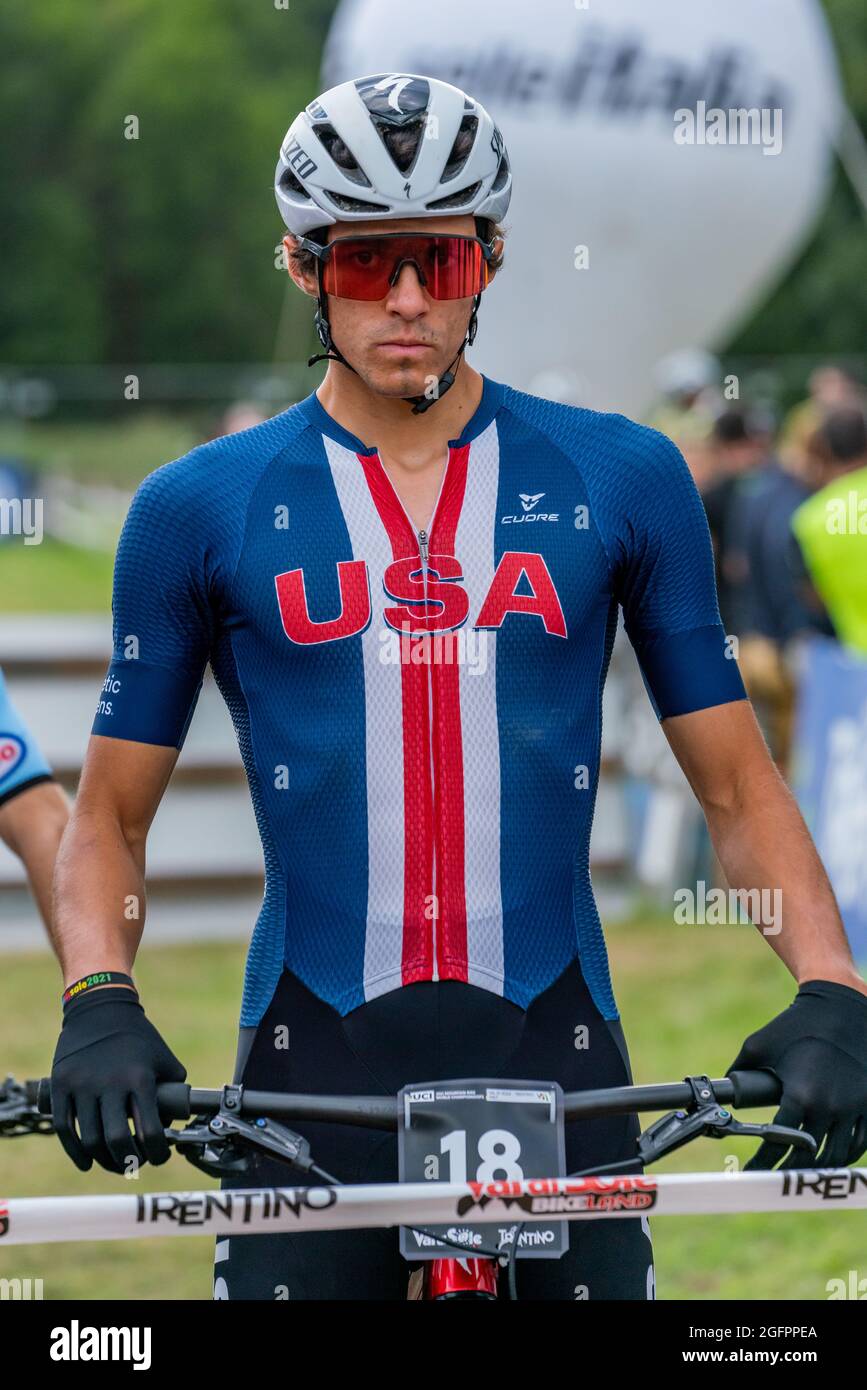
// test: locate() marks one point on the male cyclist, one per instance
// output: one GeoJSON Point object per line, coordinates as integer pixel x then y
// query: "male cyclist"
{"type": "Point", "coordinates": [33, 808]}
{"type": "Point", "coordinates": [407, 587]}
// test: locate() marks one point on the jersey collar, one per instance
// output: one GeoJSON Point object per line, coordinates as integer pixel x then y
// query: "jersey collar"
{"type": "Point", "coordinates": [491, 400]}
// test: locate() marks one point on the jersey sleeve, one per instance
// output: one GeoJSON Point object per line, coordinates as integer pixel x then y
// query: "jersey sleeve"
{"type": "Point", "coordinates": [665, 578]}
{"type": "Point", "coordinates": [22, 764]}
{"type": "Point", "coordinates": [162, 615]}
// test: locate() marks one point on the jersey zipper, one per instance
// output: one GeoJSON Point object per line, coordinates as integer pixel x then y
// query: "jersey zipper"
{"type": "Point", "coordinates": [423, 553]}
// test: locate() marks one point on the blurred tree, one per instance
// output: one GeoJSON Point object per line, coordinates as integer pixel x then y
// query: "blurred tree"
{"type": "Point", "coordinates": [93, 218]}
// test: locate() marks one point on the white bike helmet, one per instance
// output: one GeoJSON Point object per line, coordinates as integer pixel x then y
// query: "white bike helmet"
{"type": "Point", "coordinates": [341, 161]}
{"type": "Point", "coordinates": [336, 162]}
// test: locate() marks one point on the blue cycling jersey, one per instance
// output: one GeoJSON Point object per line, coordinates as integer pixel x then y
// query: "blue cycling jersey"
{"type": "Point", "coordinates": [21, 763]}
{"type": "Point", "coordinates": [419, 715]}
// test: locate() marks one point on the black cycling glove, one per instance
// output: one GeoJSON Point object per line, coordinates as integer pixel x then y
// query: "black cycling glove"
{"type": "Point", "coordinates": [107, 1065]}
{"type": "Point", "coordinates": [817, 1048]}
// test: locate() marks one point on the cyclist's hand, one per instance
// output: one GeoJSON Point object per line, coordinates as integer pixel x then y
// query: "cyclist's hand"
{"type": "Point", "coordinates": [817, 1048]}
{"type": "Point", "coordinates": [107, 1065]}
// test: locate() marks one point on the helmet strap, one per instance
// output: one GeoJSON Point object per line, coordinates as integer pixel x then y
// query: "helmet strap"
{"type": "Point", "coordinates": [419, 404]}
{"type": "Point", "coordinates": [323, 332]}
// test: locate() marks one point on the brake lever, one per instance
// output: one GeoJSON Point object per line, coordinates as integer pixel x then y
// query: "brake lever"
{"type": "Point", "coordinates": [216, 1157]}
{"type": "Point", "coordinates": [707, 1117]}
{"type": "Point", "coordinates": [225, 1143]}
{"type": "Point", "coordinates": [781, 1134]}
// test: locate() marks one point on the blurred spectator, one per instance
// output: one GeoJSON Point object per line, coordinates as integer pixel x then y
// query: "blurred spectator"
{"type": "Point", "coordinates": [16, 484]}
{"type": "Point", "coordinates": [240, 415]}
{"type": "Point", "coordinates": [831, 526]}
{"type": "Point", "coordinates": [738, 449]}
{"type": "Point", "coordinates": [775, 605]}
{"type": "Point", "coordinates": [830, 388]}
{"type": "Point", "coordinates": [687, 381]}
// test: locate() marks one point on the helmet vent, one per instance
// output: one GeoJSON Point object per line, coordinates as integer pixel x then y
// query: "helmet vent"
{"type": "Point", "coordinates": [340, 152]}
{"type": "Point", "coordinates": [354, 204]}
{"type": "Point", "coordinates": [403, 142]}
{"type": "Point", "coordinates": [456, 200]}
{"type": "Point", "coordinates": [290, 184]}
{"type": "Point", "coordinates": [502, 175]}
{"type": "Point", "coordinates": [460, 151]}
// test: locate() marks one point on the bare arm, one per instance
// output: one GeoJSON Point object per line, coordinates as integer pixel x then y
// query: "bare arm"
{"type": "Point", "coordinates": [32, 825]}
{"type": "Point", "coordinates": [760, 836]}
{"type": "Point", "coordinates": [99, 895]}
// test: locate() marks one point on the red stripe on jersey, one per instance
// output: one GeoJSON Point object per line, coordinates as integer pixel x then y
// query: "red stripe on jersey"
{"type": "Point", "coordinates": [451, 936]}
{"type": "Point", "coordinates": [418, 828]}
{"type": "Point", "coordinates": [418, 835]}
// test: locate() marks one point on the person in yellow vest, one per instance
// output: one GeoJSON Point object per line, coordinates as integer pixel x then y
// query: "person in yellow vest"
{"type": "Point", "coordinates": [831, 527]}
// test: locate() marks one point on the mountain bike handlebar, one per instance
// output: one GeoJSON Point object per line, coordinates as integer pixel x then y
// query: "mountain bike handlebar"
{"type": "Point", "coordinates": [178, 1101]}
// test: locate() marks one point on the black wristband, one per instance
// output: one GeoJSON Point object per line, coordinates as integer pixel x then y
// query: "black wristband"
{"type": "Point", "coordinates": [94, 981]}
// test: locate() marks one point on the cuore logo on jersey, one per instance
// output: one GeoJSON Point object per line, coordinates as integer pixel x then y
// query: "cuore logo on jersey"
{"type": "Point", "coordinates": [12, 750]}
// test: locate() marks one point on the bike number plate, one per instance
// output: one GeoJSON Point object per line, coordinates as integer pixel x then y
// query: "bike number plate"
{"type": "Point", "coordinates": [482, 1131]}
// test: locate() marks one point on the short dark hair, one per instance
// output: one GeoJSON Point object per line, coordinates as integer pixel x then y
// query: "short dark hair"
{"type": "Point", "coordinates": [844, 434]}
{"type": "Point", "coordinates": [731, 427]}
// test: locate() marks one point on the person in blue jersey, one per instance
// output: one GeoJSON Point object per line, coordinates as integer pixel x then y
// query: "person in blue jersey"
{"type": "Point", "coordinates": [33, 808]}
{"type": "Point", "coordinates": [407, 587]}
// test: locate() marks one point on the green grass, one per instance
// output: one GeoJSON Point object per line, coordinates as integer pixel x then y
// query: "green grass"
{"type": "Point", "coordinates": [688, 997]}
{"type": "Point", "coordinates": [119, 451]}
{"type": "Point", "coordinates": [193, 996]}
{"type": "Point", "coordinates": [54, 578]}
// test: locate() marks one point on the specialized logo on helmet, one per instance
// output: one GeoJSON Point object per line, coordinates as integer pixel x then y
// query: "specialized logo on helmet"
{"type": "Point", "coordinates": [298, 159]}
{"type": "Point", "coordinates": [12, 752]}
{"type": "Point", "coordinates": [393, 96]}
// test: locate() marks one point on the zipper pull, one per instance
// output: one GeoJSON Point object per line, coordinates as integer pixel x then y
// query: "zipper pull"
{"type": "Point", "coordinates": [422, 545]}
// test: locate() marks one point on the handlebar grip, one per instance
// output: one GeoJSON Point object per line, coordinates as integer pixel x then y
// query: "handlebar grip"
{"type": "Point", "coordinates": [173, 1098]}
{"type": "Point", "coordinates": [755, 1088]}
{"type": "Point", "coordinates": [42, 1097]}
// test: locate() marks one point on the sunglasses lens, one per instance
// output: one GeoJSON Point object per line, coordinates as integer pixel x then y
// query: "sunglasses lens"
{"type": "Point", "coordinates": [361, 267]}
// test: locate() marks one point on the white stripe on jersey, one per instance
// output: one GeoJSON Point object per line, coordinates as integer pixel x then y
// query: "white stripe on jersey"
{"type": "Point", "coordinates": [383, 720]}
{"type": "Point", "coordinates": [474, 547]}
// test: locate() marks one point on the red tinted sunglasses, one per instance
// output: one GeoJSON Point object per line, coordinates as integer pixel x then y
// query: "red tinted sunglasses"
{"type": "Point", "coordinates": [365, 267]}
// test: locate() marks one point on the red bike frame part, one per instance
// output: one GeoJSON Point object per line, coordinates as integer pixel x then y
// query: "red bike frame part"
{"type": "Point", "coordinates": [456, 1278]}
